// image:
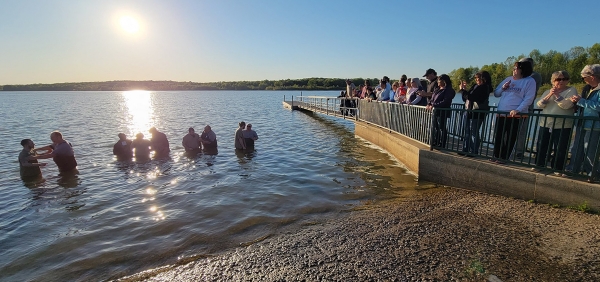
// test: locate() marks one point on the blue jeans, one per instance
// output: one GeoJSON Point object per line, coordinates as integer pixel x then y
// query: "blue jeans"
{"type": "Point", "coordinates": [576, 150]}
{"type": "Point", "coordinates": [472, 140]}
{"type": "Point", "coordinates": [591, 154]}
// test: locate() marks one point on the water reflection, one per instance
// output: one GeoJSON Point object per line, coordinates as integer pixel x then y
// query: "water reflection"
{"type": "Point", "coordinates": [69, 179]}
{"type": "Point", "coordinates": [34, 182]}
{"type": "Point", "coordinates": [140, 110]}
{"type": "Point", "coordinates": [150, 196]}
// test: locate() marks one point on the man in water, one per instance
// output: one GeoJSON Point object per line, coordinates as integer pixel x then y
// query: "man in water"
{"type": "Point", "coordinates": [122, 149]}
{"type": "Point", "coordinates": [240, 143]}
{"type": "Point", "coordinates": [61, 152]}
{"type": "Point", "coordinates": [160, 143]}
{"type": "Point", "coordinates": [191, 142]}
{"type": "Point", "coordinates": [250, 136]}
{"type": "Point", "coordinates": [142, 147]}
{"type": "Point", "coordinates": [209, 140]}
{"type": "Point", "coordinates": [29, 166]}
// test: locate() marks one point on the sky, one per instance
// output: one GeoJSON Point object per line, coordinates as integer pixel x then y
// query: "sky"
{"type": "Point", "coordinates": [55, 41]}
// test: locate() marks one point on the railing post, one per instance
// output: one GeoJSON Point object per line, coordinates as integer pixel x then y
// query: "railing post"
{"type": "Point", "coordinates": [356, 103]}
{"type": "Point", "coordinates": [431, 137]}
{"type": "Point", "coordinates": [389, 117]}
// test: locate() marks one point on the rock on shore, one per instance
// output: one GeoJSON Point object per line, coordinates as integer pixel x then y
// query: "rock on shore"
{"type": "Point", "coordinates": [442, 234]}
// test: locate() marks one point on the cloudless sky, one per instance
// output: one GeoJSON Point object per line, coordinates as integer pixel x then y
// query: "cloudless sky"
{"type": "Point", "coordinates": [51, 41]}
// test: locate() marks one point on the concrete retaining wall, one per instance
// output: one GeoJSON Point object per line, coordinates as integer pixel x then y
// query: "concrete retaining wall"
{"type": "Point", "coordinates": [404, 149]}
{"type": "Point", "coordinates": [480, 175]}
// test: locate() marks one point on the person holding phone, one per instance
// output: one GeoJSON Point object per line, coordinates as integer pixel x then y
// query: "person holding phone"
{"type": "Point", "coordinates": [516, 93]}
{"type": "Point", "coordinates": [555, 133]}
{"type": "Point", "coordinates": [441, 99]}
{"type": "Point", "coordinates": [586, 143]}
{"type": "Point", "coordinates": [476, 98]}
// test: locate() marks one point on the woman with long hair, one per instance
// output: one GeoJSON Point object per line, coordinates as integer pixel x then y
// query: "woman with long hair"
{"type": "Point", "coordinates": [476, 98]}
{"type": "Point", "coordinates": [441, 100]}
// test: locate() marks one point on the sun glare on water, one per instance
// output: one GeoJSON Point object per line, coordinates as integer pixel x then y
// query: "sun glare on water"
{"type": "Point", "coordinates": [129, 24]}
{"type": "Point", "coordinates": [140, 110]}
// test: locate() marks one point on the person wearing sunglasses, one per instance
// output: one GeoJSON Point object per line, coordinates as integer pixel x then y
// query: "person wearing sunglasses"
{"type": "Point", "coordinates": [586, 146]}
{"type": "Point", "coordinates": [554, 133]}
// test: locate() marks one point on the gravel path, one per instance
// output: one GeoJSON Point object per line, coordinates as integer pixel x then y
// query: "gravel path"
{"type": "Point", "coordinates": [441, 234]}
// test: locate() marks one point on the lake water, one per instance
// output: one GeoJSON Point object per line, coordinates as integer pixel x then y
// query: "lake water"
{"type": "Point", "coordinates": [116, 219]}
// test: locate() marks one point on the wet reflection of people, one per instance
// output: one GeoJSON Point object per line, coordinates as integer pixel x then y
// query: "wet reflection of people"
{"type": "Point", "coordinates": [69, 179]}
{"type": "Point", "coordinates": [245, 155]}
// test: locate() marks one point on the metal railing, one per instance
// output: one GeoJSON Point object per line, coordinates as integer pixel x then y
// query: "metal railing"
{"type": "Point", "coordinates": [334, 106]}
{"type": "Point", "coordinates": [559, 149]}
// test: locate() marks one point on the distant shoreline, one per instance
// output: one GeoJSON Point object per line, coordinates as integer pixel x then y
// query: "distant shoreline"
{"type": "Point", "coordinates": [249, 90]}
{"type": "Point", "coordinates": [304, 84]}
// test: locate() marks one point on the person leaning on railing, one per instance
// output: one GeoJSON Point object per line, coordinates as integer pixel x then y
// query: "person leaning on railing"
{"type": "Point", "coordinates": [588, 147]}
{"type": "Point", "coordinates": [383, 94]}
{"type": "Point", "coordinates": [412, 94]}
{"type": "Point", "coordinates": [441, 99]}
{"type": "Point", "coordinates": [366, 90]}
{"type": "Point", "coordinates": [516, 93]}
{"type": "Point", "coordinates": [400, 92]}
{"type": "Point", "coordinates": [476, 98]}
{"type": "Point", "coordinates": [395, 91]}
{"type": "Point", "coordinates": [554, 133]}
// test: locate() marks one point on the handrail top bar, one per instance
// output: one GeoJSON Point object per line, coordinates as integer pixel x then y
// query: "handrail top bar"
{"type": "Point", "coordinates": [328, 97]}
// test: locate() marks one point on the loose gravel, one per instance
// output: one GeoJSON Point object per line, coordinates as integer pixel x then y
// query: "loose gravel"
{"type": "Point", "coordinates": [441, 234]}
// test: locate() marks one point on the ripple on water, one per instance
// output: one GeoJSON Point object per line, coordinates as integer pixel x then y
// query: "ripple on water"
{"type": "Point", "coordinates": [116, 218]}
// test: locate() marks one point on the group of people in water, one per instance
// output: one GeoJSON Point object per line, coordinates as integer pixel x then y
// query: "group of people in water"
{"type": "Point", "coordinates": [517, 94]}
{"type": "Point", "coordinates": [63, 155]}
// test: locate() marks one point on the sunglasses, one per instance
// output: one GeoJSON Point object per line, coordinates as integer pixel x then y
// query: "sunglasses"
{"type": "Point", "coordinates": [561, 79]}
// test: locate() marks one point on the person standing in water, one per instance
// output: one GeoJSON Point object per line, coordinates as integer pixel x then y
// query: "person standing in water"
{"type": "Point", "coordinates": [122, 149]}
{"type": "Point", "coordinates": [209, 140]}
{"type": "Point", "coordinates": [250, 136]}
{"type": "Point", "coordinates": [61, 152]}
{"type": "Point", "coordinates": [240, 143]}
{"type": "Point", "coordinates": [29, 167]}
{"type": "Point", "coordinates": [160, 143]}
{"type": "Point", "coordinates": [191, 142]}
{"type": "Point", "coordinates": [142, 147]}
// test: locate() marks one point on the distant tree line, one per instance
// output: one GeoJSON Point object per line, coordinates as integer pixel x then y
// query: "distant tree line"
{"type": "Point", "coordinates": [545, 64]}
{"type": "Point", "coordinates": [572, 61]}
{"type": "Point", "coordinates": [125, 85]}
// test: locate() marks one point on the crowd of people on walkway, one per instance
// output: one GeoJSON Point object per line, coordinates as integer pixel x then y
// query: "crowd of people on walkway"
{"type": "Point", "coordinates": [62, 153]}
{"type": "Point", "coordinates": [516, 95]}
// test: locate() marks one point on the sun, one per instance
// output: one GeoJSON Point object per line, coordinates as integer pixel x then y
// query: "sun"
{"type": "Point", "coordinates": [129, 24]}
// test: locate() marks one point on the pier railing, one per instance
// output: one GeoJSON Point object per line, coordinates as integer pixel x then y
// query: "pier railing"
{"type": "Point", "coordinates": [548, 152]}
{"type": "Point", "coordinates": [333, 106]}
